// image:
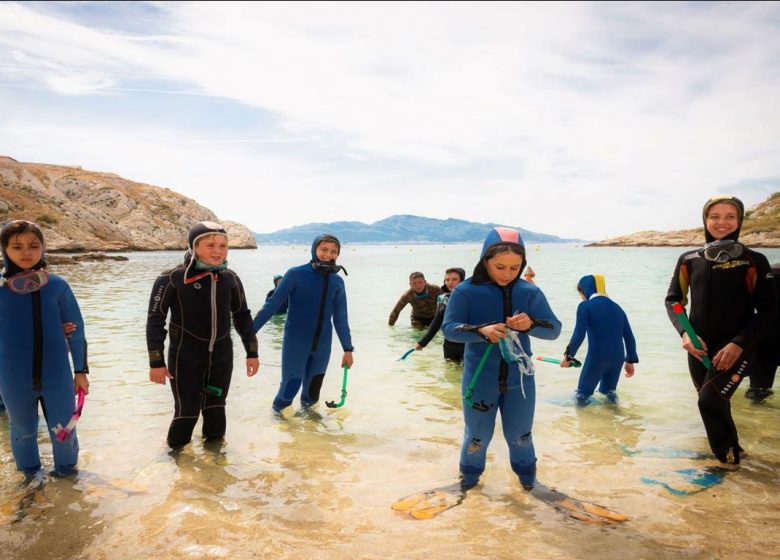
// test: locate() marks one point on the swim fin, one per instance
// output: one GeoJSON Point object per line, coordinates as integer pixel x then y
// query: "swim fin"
{"type": "Point", "coordinates": [684, 482]}
{"type": "Point", "coordinates": [581, 510]}
{"type": "Point", "coordinates": [430, 503]}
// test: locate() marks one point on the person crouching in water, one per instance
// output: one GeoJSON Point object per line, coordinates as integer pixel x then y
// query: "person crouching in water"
{"type": "Point", "coordinates": [34, 350]}
{"type": "Point", "coordinates": [317, 302]}
{"type": "Point", "coordinates": [732, 307]}
{"type": "Point", "coordinates": [607, 327]}
{"type": "Point", "coordinates": [481, 312]}
{"type": "Point", "coordinates": [453, 351]}
{"type": "Point", "coordinates": [201, 295]}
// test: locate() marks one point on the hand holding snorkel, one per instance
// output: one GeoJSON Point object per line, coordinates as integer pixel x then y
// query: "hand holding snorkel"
{"type": "Point", "coordinates": [691, 341]}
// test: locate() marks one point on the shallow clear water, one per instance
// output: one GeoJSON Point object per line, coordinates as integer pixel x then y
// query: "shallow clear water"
{"type": "Point", "coordinates": [323, 485]}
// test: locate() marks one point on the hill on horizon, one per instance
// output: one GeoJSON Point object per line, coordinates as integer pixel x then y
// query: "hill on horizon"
{"type": "Point", "coordinates": [401, 228]}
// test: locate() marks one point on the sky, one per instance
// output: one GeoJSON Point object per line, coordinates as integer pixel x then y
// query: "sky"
{"type": "Point", "coordinates": [583, 120]}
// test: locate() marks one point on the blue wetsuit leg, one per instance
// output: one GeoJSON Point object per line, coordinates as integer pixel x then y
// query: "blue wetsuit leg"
{"type": "Point", "coordinates": [23, 423]}
{"type": "Point", "coordinates": [611, 376]}
{"type": "Point", "coordinates": [479, 428]}
{"type": "Point", "coordinates": [314, 375]}
{"type": "Point", "coordinates": [58, 404]}
{"type": "Point", "coordinates": [517, 419]}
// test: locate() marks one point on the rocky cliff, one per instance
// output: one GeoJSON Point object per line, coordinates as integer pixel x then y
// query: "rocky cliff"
{"type": "Point", "coordinates": [83, 210]}
{"type": "Point", "coordinates": [761, 229]}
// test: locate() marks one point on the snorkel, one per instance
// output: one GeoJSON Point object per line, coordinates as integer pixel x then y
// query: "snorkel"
{"type": "Point", "coordinates": [62, 433]}
{"type": "Point", "coordinates": [683, 318]}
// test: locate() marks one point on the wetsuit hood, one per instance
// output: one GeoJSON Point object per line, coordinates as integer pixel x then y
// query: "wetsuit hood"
{"type": "Point", "coordinates": [592, 284]}
{"type": "Point", "coordinates": [325, 267]}
{"type": "Point", "coordinates": [9, 268]}
{"type": "Point", "coordinates": [498, 236]}
{"type": "Point", "coordinates": [734, 201]}
{"type": "Point", "coordinates": [199, 230]}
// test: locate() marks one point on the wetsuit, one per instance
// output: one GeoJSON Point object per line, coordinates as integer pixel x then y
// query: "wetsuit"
{"type": "Point", "coordinates": [452, 350]}
{"type": "Point", "coordinates": [200, 354]}
{"type": "Point", "coordinates": [762, 374]}
{"type": "Point", "coordinates": [283, 309]}
{"type": "Point", "coordinates": [732, 301]}
{"type": "Point", "coordinates": [423, 306]}
{"type": "Point", "coordinates": [608, 329]}
{"type": "Point", "coordinates": [317, 299]}
{"type": "Point", "coordinates": [35, 368]}
{"type": "Point", "coordinates": [476, 302]}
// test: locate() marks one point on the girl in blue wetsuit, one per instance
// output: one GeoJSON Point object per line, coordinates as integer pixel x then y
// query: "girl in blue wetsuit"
{"type": "Point", "coordinates": [607, 327]}
{"type": "Point", "coordinates": [480, 312]}
{"type": "Point", "coordinates": [316, 299]}
{"type": "Point", "coordinates": [34, 351]}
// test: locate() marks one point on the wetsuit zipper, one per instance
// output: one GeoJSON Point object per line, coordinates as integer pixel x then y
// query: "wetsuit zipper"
{"type": "Point", "coordinates": [503, 369]}
{"type": "Point", "coordinates": [316, 340]}
{"type": "Point", "coordinates": [213, 312]}
{"type": "Point", "coordinates": [37, 341]}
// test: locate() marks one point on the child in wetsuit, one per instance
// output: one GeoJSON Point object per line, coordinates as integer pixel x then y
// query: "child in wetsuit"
{"type": "Point", "coordinates": [34, 351]}
{"type": "Point", "coordinates": [608, 329]}
{"type": "Point", "coordinates": [482, 311]}
{"type": "Point", "coordinates": [422, 297]}
{"type": "Point", "coordinates": [202, 295]}
{"type": "Point", "coordinates": [732, 306]}
{"type": "Point", "coordinates": [453, 351]}
{"type": "Point", "coordinates": [317, 302]}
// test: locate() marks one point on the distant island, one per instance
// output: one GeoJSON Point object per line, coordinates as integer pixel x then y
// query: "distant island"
{"type": "Point", "coordinates": [760, 229]}
{"type": "Point", "coordinates": [401, 228]}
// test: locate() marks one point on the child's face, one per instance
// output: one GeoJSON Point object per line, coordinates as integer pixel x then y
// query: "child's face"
{"type": "Point", "coordinates": [417, 284]}
{"type": "Point", "coordinates": [24, 250]}
{"type": "Point", "coordinates": [722, 219]}
{"type": "Point", "coordinates": [451, 279]}
{"type": "Point", "coordinates": [327, 251]}
{"type": "Point", "coordinates": [212, 249]}
{"type": "Point", "coordinates": [504, 267]}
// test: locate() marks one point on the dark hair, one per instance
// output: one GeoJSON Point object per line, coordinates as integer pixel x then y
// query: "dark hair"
{"type": "Point", "coordinates": [502, 248]}
{"type": "Point", "coordinates": [414, 275]}
{"type": "Point", "coordinates": [16, 227]}
{"type": "Point", "coordinates": [459, 271]}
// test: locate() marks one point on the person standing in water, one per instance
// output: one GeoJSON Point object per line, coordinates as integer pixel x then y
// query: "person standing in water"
{"type": "Point", "coordinates": [34, 351]}
{"type": "Point", "coordinates": [608, 330]}
{"type": "Point", "coordinates": [317, 302]}
{"type": "Point", "coordinates": [422, 297]}
{"type": "Point", "coordinates": [732, 307]}
{"type": "Point", "coordinates": [482, 311]}
{"type": "Point", "coordinates": [762, 373]}
{"type": "Point", "coordinates": [202, 296]}
{"type": "Point", "coordinates": [453, 351]}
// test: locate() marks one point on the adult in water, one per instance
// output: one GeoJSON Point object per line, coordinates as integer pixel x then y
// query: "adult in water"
{"type": "Point", "coordinates": [204, 298]}
{"type": "Point", "coordinates": [422, 297]}
{"type": "Point", "coordinates": [611, 343]}
{"type": "Point", "coordinates": [732, 307]}
{"type": "Point", "coordinates": [481, 312]}
{"type": "Point", "coordinates": [764, 368]}
{"type": "Point", "coordinates": [34, 351]}
{"type": "Point", "coordinates": [317, 303]}
{"type": "Point", "coordinates": [453, 351]}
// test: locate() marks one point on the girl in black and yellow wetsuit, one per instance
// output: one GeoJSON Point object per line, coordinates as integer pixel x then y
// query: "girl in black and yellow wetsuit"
{"type": "Point", "coordinates": [732, 304]}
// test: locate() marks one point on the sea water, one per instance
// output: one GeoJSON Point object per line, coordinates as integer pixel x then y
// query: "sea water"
{"type": "Point", "coordinates": [321, 485]}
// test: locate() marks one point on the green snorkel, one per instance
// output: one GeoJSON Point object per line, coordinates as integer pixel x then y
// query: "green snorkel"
{"type": "Point", "coordinates": [474, 378]}
{"type": "Point", "coordinates": [694, 338]}
{"type": "Point", "coordinates": [333, 404]}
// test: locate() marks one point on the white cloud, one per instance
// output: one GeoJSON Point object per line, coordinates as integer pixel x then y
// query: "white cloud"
{"type": "Point", "coordinates": [578, 119]}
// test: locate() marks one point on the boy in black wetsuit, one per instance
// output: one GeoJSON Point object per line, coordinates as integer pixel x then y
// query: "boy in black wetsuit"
{"type": "Point", "coordinates": [453, 351]}
{"type": "Point", "coordinates": [202, 296]}
{"type": "Point", "coordinates": [732, 306]}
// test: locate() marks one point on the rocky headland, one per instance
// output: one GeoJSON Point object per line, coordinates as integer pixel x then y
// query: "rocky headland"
{"type": "Point", "coordinates": [89, 211]}
{"type": "Point", "coordinates": [760, 229]}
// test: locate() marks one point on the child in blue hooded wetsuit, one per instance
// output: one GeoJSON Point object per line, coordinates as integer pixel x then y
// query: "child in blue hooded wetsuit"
{"type": "Point", "coordinates": [607, 327]}
{"type": "Point", "coordinates": [34, 350]}
{"type": "Point", "coordinates": [316, 298]}
{"type": "Point", "coordinates": [480, 312]}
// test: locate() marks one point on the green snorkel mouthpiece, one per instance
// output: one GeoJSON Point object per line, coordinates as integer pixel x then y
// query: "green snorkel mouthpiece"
{"type": "Point", "coordinates": [333, 404]}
